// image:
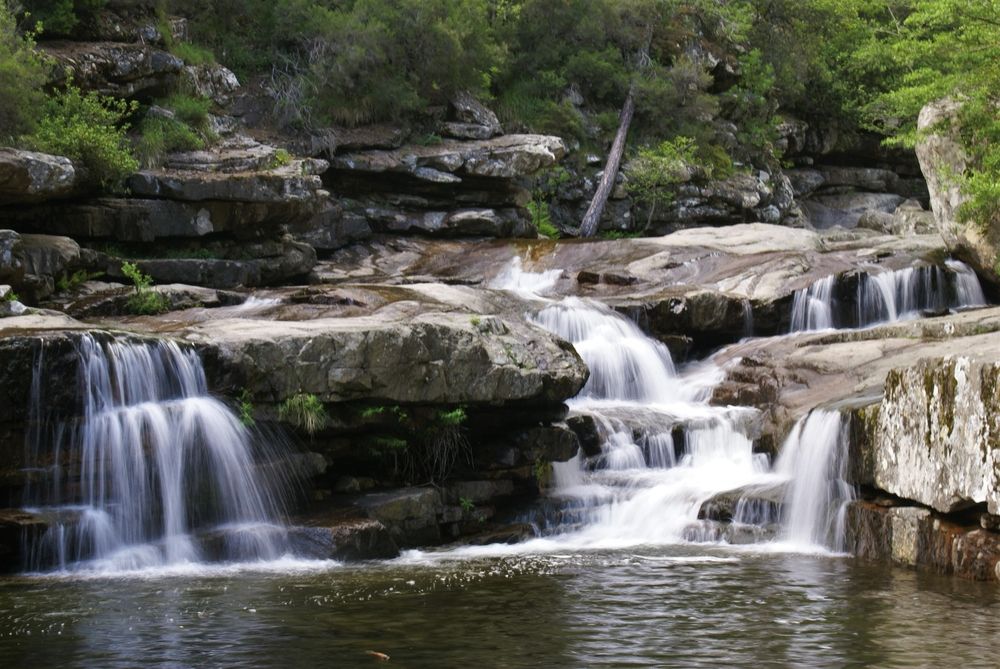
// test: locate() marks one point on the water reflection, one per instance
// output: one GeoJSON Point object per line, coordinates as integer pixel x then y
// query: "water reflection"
{"type": "Point", "coordinates": [681, 607]}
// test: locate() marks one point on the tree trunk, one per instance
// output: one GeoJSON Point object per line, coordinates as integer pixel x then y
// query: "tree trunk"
{"type": "Point", "coordinates": [588, 228]}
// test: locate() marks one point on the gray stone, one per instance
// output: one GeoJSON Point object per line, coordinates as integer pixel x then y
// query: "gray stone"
{"type": "Point", "coordinates": [296, 182]}
{"type": "Point", "coordinates": [213, 81]}
{"type": "Point", "coordinates": [27, 176]}
{"type": "Point", "coordinates": [121, 70]}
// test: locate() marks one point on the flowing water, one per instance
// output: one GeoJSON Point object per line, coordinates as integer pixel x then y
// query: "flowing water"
{"type": "Point", "coordinates": [888, 297]}
{"type": "Point", "coordinates": [154, 472]}
{"type": "Point", "coordinates": [625, 573]}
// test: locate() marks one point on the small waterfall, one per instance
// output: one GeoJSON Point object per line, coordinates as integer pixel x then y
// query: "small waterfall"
{"type": "Point", "coordinates": [812, 307]}
{"type": "Point", "coordinates": [624, 363]}
{"type": "Point", "coordinates": [154, 471]}
{"type": "Point", "coordinates": [888, 297]}
{"type": "Point", "coordinates": [515, 279]}
{"type": "Point", "coordinates": [814, 459]}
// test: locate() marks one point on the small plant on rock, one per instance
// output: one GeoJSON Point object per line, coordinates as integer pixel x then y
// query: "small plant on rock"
{"type": "Point", "coordinates": [144, 301]}
{"type": "Point", "coordinates": [304, 411]}
{"type": "Point", "coordinates": [244, 403]}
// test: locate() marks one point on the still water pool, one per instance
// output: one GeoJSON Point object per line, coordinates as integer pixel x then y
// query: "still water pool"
{"type": "Point", "coordinates": [661, 607]}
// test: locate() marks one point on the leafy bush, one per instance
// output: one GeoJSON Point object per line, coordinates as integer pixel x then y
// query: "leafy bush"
{"type": "Point", "coordinates": [59, 17]}
{"type": "Point", "coordinates": [90, 130]}
{"type": "Point", "coordinates": [23, 73]}
{"type": "Point", "coordinates": [144, 301]}
{"type": "Point", "coordinates": [654, 171]}
{"type": "Point", "coordinates": [305, 411]}
{"type": "Point", "coordinates": [159, 136]}
{"type": "Point", "coordinates": [189, 109]}
{"type": "Point", "coordinates": [543, 222]}
{"type": "Point", "coordinates": [192, 54]}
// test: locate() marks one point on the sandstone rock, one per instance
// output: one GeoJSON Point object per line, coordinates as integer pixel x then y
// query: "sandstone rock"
{"type": "Point", "coordinates": [501, 223]}
{"type": "Point", "coordinates": [503, 157]}
{"type": "Point", "coordinates": [470, 119]}
{"type": "Point", "coordinates": [936, 439]}
{"type": "Point", "coordinates": [431, 358]}
{"type": "Point", "coordinates": [941, 155]}
{"type": "Point", "coordinates": [26, 176]}
{"type": "Point", "coordinates": [331, 228]}
{"type": "Point", "coordinates": [909, 219]}
{"type": "Point", "coordinates": [410, 514]}
{"type": "Point", "coordinates": [121, 70]}
{"type": "Point", "coordinates": [825, 211]}
{"type": "Point", "coordinates": [146, 220]}
{"type": "Point", "coordinates": [334, 537]}
{"type": "Point", "coordinates": [213, 81]}
{"type": "Point", "coordinates": [295, 182]}
{"type": "Point", "coordinates": [232, 155]}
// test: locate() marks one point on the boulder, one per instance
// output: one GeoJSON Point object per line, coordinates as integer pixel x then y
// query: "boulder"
{"type": "Point", "coordinates": [845, 210]}
{"type": "Point", "coordinates": [500, 223]}
{"type": "Point", "coordinates": [296, 181]}
{"type": "Point", "coordinates": [212, 81]}
{"type": "Point", "coordinates": [504, 157]}
{"type": "Point", "coordinates": [470, 119]}
{"type": "Point", "coordinates": [332, 536]}
{"type": "Point", "coordinates": [27, 176]}
{"type": "Point", "coordinates": [941, 155]}
{"type": "Point", "coordinates": [410, 514]}
{"type": "Point", "coordinates": [936, 437]}
{"type": "Point", "coordinates": [118, 69]}
{"type": "Point", "coordinates": [146, 220]}
{"type": "Point", "coordinates": [331, 228]}
{"type": "Point", "coordinates": [429, 358]}
{"type": "Point", "coordinates": [910, 218]}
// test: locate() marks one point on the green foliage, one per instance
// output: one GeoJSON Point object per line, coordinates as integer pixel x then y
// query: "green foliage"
{"type": "Point", "coordinates": [539, 211]}
{"type": "Point", "coordinates": [244, 405]}
{"type": "Point", "coordinates": [468, 506]}
{"type": "Point", "coordinates": [23, 73]}
{"type": "Point", "coordinates": [159, 136]}
{"type": "Point", "coordinates": [60, 17]}
{"type": "Point", "coordinates": [280, 159]}
{"type": "Point", "coordinates": [144, 300]}
{"type": "Point", "coordinates": [751, 105]}
{"type": "Point", "coordinates": [430, 139]}
{"type": "Point", "coordinates": [304, 411]}
{"type": "Point", "coordinates": [189, 109]}
{"type": "Point", "coordinates": [67, 283]}
{"type": "Point", "coordinates": [651, 175]}
{"type": "Point", "coordinates": [90, 130]}
{"type": "Point", "coordinates": [453, 418]}
{"type": "Point", "coordinates": [193, 54]}
{"type": "Point", "coordinates": [11, 296]}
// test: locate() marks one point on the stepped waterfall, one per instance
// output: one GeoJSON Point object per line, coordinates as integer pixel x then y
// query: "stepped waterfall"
{"type": "Point", "coordinates": [154, 472]}
{"type": "Point", "coordinates": [665, 451]}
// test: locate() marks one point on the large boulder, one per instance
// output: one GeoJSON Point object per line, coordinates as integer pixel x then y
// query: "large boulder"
{"type": "Point", "coordinates": [27, 176]}
{"type": "Point", "coordinates": [936, 436]}
{"type": "Point", "coordinates": [941, 156]}
{"type": "Point", "coordinates": [432, 358]}
{"type": "Point", "coordinates": [470, 119]}
{"type": "Point", "coordinates": [121, 70]}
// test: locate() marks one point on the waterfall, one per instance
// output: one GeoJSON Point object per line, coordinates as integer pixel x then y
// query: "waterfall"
{"type": "Point", "coordinates": [814, 460]}
{"type": "Point", "coordinates": [153, 471]}
{"type": "Point", "coordinates": [812, 307]}
{"type": "Point", "coordinates": [889, 297]}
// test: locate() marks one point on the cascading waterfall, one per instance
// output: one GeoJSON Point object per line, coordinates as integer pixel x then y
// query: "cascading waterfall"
{"type": "Point", "coordinates": [648, 484]}
{"type": "Point", "coordinates": [154, 472]}
{"type": "Point", "coordinates": [888, 297]}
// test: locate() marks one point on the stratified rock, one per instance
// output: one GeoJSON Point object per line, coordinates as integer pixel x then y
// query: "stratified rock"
{"type": "Point", "coordinates": [431, 358]}
{"type": "Point", "coordinates": [410, 514]}
{"type": "Point", "coordinates": [470, 119]}
{"type": "Point", "coordinates": [330, 229]}
{"type": "Point", "coordinates": [212, 81]}
{"type": "Point", "coordinates": [936, 438]}
{"type": "Point", "coordinates": [503, 157]}
{"type": "Point", "coordinates": [909, 219]}
{"type": "Point", "coordinates": [297, 181]}
{"type": "Point", "coordinates": [942, 156]}
{"type": "Point", "coordinates": [333, 537]}
{"type": "Point", "coordinates": [501, 223]}
{"type": "Point", "coordinates": [825, 211]}
{"type": "Point", "coordinates": [146, 220]}
{"type": "Point", "coordinates": [232, 155]}
{"type": "Point", "coordinates": [27, 176]}
{"type": "Point", "coordinates": [121, 70]}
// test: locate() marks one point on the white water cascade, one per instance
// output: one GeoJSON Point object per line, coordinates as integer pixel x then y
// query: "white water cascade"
{"type": "Point", "coordinates": [888, 297]}
{"type": "Point", "coordinates": [814, 461]}
{"type": "Point", "coordinates": [664, 450]}
{"type": "Point", "coordinates": [154, 472]}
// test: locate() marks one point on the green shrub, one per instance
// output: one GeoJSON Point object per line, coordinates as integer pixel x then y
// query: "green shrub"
{"type": "Point", "coordinates": [23, 73]}
{"type": "Point", "coordinates": [280, 159]}
{"type": "Point", "coordinates": [144, 301]}
{"type": "Point", "coordinates": [159, 136]}
{"type": "Point", "coordinates": [189, 109]}
{"type": "Point", "coordinates": [59, 17]}
{"type": "Point", "coordinates": [244, 404]}
{"type": "Point", "coordinates": [539, 211]}
{"type": "Point", "coordinates": [305, 411]}
{"type": "Point", "coordinates": [90, 130]}
{"type": "Point", "coordinates": [192, 54]}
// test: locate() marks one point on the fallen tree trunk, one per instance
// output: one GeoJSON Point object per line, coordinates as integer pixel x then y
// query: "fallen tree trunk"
{"type": "Point", "coordinates": [588, 228]}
